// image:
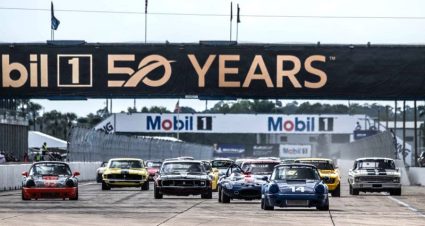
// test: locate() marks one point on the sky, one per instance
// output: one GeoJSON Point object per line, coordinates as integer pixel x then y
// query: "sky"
{"type": "Point", "coordinates": [125, 23]}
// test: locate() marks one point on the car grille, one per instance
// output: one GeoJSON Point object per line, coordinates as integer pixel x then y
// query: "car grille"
{"type": "Point", "coordinates": [250, 193]}
{"type": "Point", "coordinates": [184, 183]}
{"type": "Point", "coordinates": [125, 176]}
{"type": "Point", "coordinates": [376, 179]}
{"type": "Point", "coordinates": [331, 181]}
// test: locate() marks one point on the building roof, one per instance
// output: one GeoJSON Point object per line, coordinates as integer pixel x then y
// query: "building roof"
{"type": "Point", "coordinates": [36, 140]}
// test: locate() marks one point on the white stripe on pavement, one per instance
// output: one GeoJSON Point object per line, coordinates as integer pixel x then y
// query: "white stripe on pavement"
{"type": "Point", "coordinates": [407, 206]}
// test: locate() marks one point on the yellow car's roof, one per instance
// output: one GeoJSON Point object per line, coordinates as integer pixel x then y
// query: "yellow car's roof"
{"type": "Point", "coordinates": [120, 159]}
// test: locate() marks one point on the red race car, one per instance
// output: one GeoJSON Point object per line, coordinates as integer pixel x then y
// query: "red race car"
{"type": "Point", "coordinates": [50, 180]}
{"type": "Point", "coordinates": [153, 167]}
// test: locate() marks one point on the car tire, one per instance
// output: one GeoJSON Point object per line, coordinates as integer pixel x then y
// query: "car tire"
{"type": "Point", "coordinates": [207, 195]}
{"type": "Point", "coordinates": [99, 178]}
{"type": "Point", "coordinates": [105, 187]}
{"type": "Point", "coordinates": [395, 192]}
{"type": "Point", "coordinates": [219, 194]}
{"type": "Point", "coordinates": [224, 198]}
{"type": "Point", "coordinates": [156, 193]}
{"type": "Point", "coordinates": [337, 191]}
{"type": "Point", "coordinates": [75, 197]}
{"type": "Point", "coordinates": [23, 196]}
{"type": "Point", "coordinates": [353, 191]}
{"type": "Point", "coordinates": [265, 205]}
{"type": "Point", "coordinates": [145, 186]}
{"type": "Point", "coordinates": [323, 207]}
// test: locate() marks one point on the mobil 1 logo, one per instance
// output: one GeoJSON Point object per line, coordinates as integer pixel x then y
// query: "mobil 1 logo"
{"type": "Point", "coordinates": [326, 124]}
{"type": "Point", "coordinates": [204, 123]}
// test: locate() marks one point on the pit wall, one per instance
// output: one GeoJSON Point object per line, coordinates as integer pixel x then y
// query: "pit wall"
{"type": "Point", "coordinates": [11, 175]}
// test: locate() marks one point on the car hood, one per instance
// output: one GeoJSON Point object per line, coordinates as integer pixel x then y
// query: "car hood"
{"type": "Point", "coordinates": [124, 171]}
{"type": "Point", "coordinates": [183, 176]}
{"type": "Point", "coordinates": [288, 186]}
{"type": "Point", "coordinates": [376, 172]}
{"type": "Point", "coordinates": [50, 181]}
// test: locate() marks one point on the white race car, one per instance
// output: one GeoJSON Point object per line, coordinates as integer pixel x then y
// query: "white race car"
{"type": "Point", "coordinates": [99, 172]}
{"type": "Point", "coordinates": [374, 175]}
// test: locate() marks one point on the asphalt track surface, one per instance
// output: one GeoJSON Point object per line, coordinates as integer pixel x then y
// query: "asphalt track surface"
{"type": "Point", "coordinates": [130, 206]}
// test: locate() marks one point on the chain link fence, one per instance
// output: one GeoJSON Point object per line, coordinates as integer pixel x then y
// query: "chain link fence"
{"type": "Point", "coordinates": [89, 145]}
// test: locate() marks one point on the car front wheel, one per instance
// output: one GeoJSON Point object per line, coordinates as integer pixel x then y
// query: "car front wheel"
{"type": "Point", "coordinates": [157, 194]}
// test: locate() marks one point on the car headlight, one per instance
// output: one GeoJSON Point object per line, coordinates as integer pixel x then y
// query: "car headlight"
{"type": "Point", "coordinates": [396, 180]}
{"type": "Point", "coordinates": [320, 189]}
{"type": "Point", "coordinates": [356, 179]}
{"type": "Point", "coordinates": [228, 185]}
{"type": "Point", "coordinates": [202, 183]}
{"type": "Point", "coordinates": [274, 188]}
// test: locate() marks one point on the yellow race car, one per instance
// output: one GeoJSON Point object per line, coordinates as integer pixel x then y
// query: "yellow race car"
{"type": "Point", "coordinates": [219, 168]}
{"type": "Point", "coordinates": [326, 168]}
{"type": "Point", "coordinates": [125, 172]}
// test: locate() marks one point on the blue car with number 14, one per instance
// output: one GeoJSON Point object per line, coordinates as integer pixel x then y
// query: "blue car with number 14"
{"type": "Point", "coordinates": [295, 185]}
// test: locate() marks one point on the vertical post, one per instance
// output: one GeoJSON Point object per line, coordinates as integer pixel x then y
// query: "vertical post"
{"type": "Point", "coordinates": [231, 18]}
{"type": "Point", "coordinates": [386, 117]}
{"type": "Point", "coordinates": [111, 106]}
{"type": "Point", "coordinates": [395, 118]}
{"type": "Point", "coordinates": [404, 127]}
{"type": "Point", "coordinates": [415, 133]}
{"type": "Point", "coordinates": [237, 31]}
{"type": "Point", "coordinates": [379, 120]}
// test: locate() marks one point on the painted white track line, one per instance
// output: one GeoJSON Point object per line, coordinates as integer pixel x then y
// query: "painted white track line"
{"type": "Point", "coordinates": [407, 206]}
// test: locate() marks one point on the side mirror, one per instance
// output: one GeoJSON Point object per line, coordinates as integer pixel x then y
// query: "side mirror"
{"type": "Point", "coordinates": [25, 174]}
{"type": "Point", "coordinates": [326, 179]}
{"type": "Point", "coordinates": [265, 178]}
{"type": "Point", "coordinates": [76, 174]}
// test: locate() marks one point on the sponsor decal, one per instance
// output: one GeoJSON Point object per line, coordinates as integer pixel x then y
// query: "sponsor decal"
{"type": "Point", "coordinates": [158, 123]}
{"type": "Point", "coordinates": [289, 125]}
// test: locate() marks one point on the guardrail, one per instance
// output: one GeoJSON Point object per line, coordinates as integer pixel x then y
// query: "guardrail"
{"type": "Point", "coordinates": [11, 175]}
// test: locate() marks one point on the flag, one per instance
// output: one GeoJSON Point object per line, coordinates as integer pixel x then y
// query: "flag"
{"type": "Point", "coordinates": [238, 16]}
{"type": "Point", "coordinates": [55, 21]}
{"type": "Point", "coordinates": [231, 11]}
{"type": "Point", "coordinates": [146, 6]}
{"type": "Point", "coordinates": [177, 108]}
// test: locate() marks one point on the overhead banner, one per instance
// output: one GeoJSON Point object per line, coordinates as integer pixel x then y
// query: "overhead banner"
{"type": "Point", "coordinates": [230, 123]}
{"type": "Point", "coordinates": [211, 71]}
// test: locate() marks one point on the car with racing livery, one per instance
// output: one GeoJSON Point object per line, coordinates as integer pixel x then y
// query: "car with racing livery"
{"type": "Point", "coordinates": [182, 178]}
{"type": "Point", "coordinates": [328, 169]}
{"type": "Point", "coordinates": [219, 169]}
{"type": "Point", "coordinates": [50, 179]}
{"type": "Point", "coordinates": [153, 167]}
{"type": "Point", "coordinates": [374, 175]}
{"type": "Point", "coordinates": [100, 171]}
{"type": "Point", "coordinates": [245, 181]}
{"type": "Point", "coordinates": [295, 185]}
{"type": "Point", "coordinates": [125, 172]}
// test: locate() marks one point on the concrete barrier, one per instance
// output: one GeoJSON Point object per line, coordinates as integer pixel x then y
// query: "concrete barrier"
{"type": "Point", "coordinates": [417, 176]}
{"type": "Point", "coordinates": [11, 175]}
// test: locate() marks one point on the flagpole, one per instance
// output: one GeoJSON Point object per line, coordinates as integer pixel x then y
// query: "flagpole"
{"type": "Point", "coordinates": [238, 20]}
{"type": "Point", "coordinates": [178, 118]}
{"type": "Point", "coordinates": [146, 20]}
{"type": "Point", "coordinates": [231, 18]}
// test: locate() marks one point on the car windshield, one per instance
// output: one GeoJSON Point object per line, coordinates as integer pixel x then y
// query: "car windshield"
{"type": "Point", "coordinates": [221, 164]}
{"type": "Point", "coordinates": [259, 168]}
{"type": "Point", "coordinates": [126, 164]}
{"type": "Point", "coordinates": [41, 169]}
{"type": "Point", "coordinates": [375, 164]}
{"type": "Point", "coordinates": [182, 167]}
{"type": "Point", "coordinates": [321, 165]}
{"type": "Point", "coordinates": [153, 164]}
{"type": "Point", "coordinates": [295, 173]}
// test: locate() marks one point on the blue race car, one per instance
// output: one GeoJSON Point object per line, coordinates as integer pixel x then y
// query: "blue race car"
{"type": "Point", "coordinates": [245, 182]}
{"type": "Point", "coordinates": [295, 185]}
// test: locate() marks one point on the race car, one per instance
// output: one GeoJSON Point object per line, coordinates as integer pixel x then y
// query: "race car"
{"type": "Point", "coordinates": [374, 175]}
{"type": "Point", "coordinates": [50, 179]}
{"type": "Point", "coordinates": [244, 182]}
{"type": "Point", "coordinates": [153, 167]}
{"type": "Point", "coordinates": [99, 172]}
{"type": "Point", "coordinates": [182, 178]}
{"type": "Point", "coordinates": [326, 168]}
{"type": "Point", "coordinates": [125, 172]}
{"type": "Point", "coordinates": [295, 185]}
{"type": "Point", "coordinates": [219, 168]}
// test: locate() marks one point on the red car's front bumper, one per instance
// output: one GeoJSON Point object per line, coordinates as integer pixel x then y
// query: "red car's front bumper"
{"type": "Point", "coordinates": [36, 193]}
